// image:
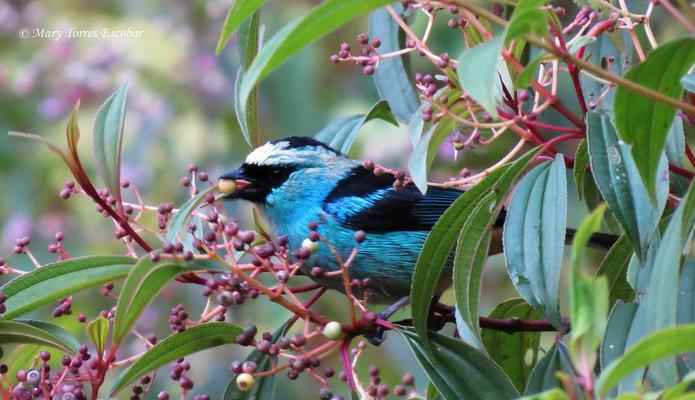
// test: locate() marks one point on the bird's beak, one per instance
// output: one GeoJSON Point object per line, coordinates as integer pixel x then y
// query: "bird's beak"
{"type": "Point", "coordinates": [244, 185]}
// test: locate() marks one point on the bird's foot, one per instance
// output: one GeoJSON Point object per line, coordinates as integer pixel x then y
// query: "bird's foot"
{"type": "Point", "coordinates": [379, 335]}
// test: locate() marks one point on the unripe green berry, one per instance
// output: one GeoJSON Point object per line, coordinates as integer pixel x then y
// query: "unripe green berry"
{"type": "Point", "coordinates": [227, 186]}
{"type": "Point", "coordinates": [332, 330]}
{"type": "Point", "coordinates": [245, 381]}
{"type": "Point", "coordinates": [311, 247]}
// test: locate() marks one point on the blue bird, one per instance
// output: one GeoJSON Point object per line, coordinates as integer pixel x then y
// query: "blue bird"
{"type": "Point", "coordinates": [297, 180]}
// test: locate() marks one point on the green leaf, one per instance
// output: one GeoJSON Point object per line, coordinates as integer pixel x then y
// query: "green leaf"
{"type": "Point", "coordinates": [526, 76]}
{"type": "Point", "coordinates": [390, 78]}
{"type": "Point", "coordinates": [656, 346]}
{"type": "Point", "coordinates": [618, 181]}
{"type": "Point", "coordinates": [639, 272]}
{"type": "Point", "coordinates": [433, 393]}
{"type": "Point", "coordinates": [425, 148]}
{"type": "Point", "coordinates": [22, 357]}
{"type": "Point", "coordinates": [144, 282]}
{"type": "Point", "coordinates": [544, 375]}
{"type": "Point", "coordinates": [686, 295]}
{"type": "Point", "coordinates": [534, 237]}
{"type": "Point", "coordinates": [617, 332]}
{"type": "Point", "coordinates": [661, 297]}
{"type": "Point", "coordinates": [341, 134]}
{"type": "Point", "coordinates": [614, 267]}
{"type": "Point", "coordinates": [192, 340]}
{"type": "Point", "coordinates": [417, 163]}
{"type": "Point", "coordinates": [581, 162]}
{"type": "Point", "coordinates": [457, 370]}
{"type": "Point", "coordinates": [511, 351]}
{"type": "Point", "coordinates": [469, 259]}
{"type": "Point", "coordinates": [250, 37]}
{"type": "Point", "coordinates": [180, 218]}
{"type": "Point", "coordinates": [642, 121]}
{"type": "Point", "coordinates": [238, 13]}
{"type": "Point", "coordinates": [54, 281]}
{"type": "Point", "coordinates": [441, 239]}
{"type": "Point", "coordinates": [240, 108]}
{"type": "Point", "coordinates": [108, 137]}
{"type": "Point", "coordinates": [675, 151]}
{"type": "Point", "coordinates": [588, 299]}
{"type": "Point", "coordinates": [321, 20]}
{"type": "Point", "coordinates": [38, 332]}
{"type": "Point", "coordinates": [478, 75]}
{"type": "Point", "coordinates": [527, 19]}
{"type": "Point", "coordinates": [265, 386]}
{"type": "Point", "coordinates": [552, 394]}
{"type": "Point", "coordinates": [97, 330]}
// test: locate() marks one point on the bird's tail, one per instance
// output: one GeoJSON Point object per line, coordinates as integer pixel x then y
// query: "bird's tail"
{"type": "Point", "coordinates": [597, 240]}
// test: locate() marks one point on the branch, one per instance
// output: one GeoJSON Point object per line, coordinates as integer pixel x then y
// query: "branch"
{"type": "Point", "coordinates": [579, 62]}
{"type": "Point", "coordinates": [513, 325]}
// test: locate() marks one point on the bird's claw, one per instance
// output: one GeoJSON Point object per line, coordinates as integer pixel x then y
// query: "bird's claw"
{"type": "Point", "coordinates": [376, 338]}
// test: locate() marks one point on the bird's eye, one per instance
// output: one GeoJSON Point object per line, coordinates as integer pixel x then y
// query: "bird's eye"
{"type": "Point", "coordinates": [278, 176]}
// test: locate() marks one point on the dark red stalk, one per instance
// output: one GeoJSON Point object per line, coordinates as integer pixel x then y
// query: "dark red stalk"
{"type": "Point", "coordinates": [573, 70]}
{"type": "Point", "coordinates": [681, 171]}
{"type": "Point", "coordinates": [689, 154]}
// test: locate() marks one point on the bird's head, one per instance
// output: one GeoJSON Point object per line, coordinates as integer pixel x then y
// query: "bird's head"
{"type": "Point", "coordinates": [287, 171]}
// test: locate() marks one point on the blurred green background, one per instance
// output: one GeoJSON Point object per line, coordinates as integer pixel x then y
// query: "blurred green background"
{"type": "Point", "coordinates": [180, 110]}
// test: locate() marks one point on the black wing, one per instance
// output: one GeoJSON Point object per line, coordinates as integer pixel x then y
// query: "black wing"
{"type": "Point", "coordinates": [368, 202]}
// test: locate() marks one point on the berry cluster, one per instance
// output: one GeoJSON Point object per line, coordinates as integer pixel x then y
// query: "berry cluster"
{"type": "Point", "coordinates": [369, 57]}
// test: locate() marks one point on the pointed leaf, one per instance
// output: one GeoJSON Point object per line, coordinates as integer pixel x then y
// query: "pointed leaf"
{"type": "Point", "coordinates": [471, 252]}
{"type": "Point", "coordinates": [662, 293]}
{"type": "Point", "coordinates": [391, 78]}
{"type": "Point", "coordinates": [144, 282]}
{"type": "Point", "coordinates": [544, 375]}
{"type": "Point", "coordinates": [250, 36]}
{"type": "Point", "coordinates": [319, 21]}
{"type": "Point", "coordinates": [457, 370]}
{"type": "Point", "coordinates": [618, 180]}
{"type": "Point", "coordinates": [238, 13]}
{"type": "Point", "coordinates": [511, 351]}
{"type": "Point", "coordinates": [675, 152]}
{"type": "Point", "coordinates": [341, 134]}
{"type": "Point", "coordinates": [73, 131]}
{"type": "Point", "coordinates": [38, 332]}
{"type": "Point", "coordinates": [617, 332]}
{"type": "Point", "coordinates": [22, 357]}
{"type": "Point", "coordinates": [534, 237]}
{"type": "Point", "coordinates": [417, 163]}
{"type": "Point", "coordinates": [192, 340]}
{"type": "Point", "coordinates": [588, 299]}
{"type": "Point", "coordinates": [54, 281]}
{"type": "Point", "coordinates": [425, 147]}
{"type": "Point", "coordinates": [581, 163]}
{"type": "Point", "coordinates": [180, 218]}
{"type": "Point", "coordinates": [656, 346]}
{"type": "Point", "coordinates": [642, 121]}
{"type": "Point", "coordinates": [97, 330]}
{"type": "Point", "coordinates": [478, 75]}
{"type": "Point", "coordinates": [614, 267]}
{"type": "Point", "coordinates": [108, 137]}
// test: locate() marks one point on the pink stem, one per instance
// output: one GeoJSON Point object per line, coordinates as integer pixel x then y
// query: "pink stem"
{"type": "Point", "coordinates": [345, 359]}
